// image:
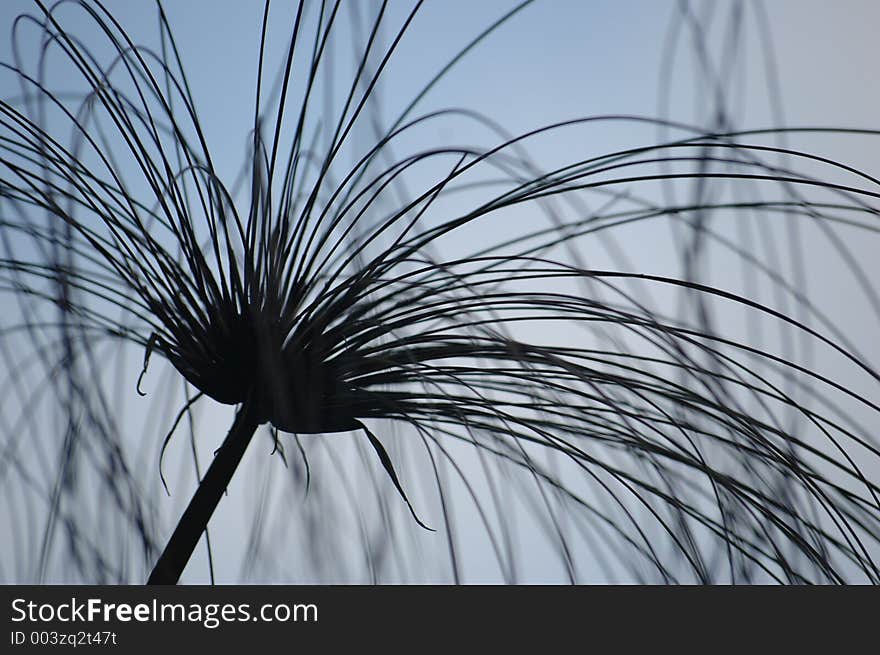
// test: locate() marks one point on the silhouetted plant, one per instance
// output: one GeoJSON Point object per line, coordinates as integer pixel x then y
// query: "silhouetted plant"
{"type": "Point", "coordinates": [440, 298]}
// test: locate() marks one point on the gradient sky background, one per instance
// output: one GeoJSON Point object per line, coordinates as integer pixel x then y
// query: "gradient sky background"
{"type": "Point", "coordinates": [555, 61]}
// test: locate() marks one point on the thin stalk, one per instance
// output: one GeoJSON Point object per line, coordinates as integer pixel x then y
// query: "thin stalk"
{"type": "Point", "coordinates": [200, 509]}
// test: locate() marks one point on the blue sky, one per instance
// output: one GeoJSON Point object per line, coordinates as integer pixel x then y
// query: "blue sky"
{"type": "Point", "coordinates": [554, 61]}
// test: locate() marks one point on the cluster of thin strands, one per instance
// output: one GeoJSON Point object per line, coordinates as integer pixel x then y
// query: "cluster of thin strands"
{"type": "Point", "coordinates": [610, 408]}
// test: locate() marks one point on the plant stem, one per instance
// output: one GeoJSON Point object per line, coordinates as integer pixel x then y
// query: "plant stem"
{"type": "Point", "coordinates": [195, 519]}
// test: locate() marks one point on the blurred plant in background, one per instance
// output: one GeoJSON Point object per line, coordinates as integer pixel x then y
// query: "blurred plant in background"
{"type": "Point", "coordinates": [571, 363]}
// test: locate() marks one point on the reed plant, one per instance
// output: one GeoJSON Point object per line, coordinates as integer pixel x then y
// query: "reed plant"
{"type": "Point", "coordinates": [416, 329]}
